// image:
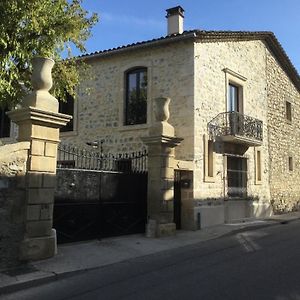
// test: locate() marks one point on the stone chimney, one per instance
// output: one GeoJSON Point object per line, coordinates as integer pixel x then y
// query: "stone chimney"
{"type": "Point", "coordinates": [175, 17]}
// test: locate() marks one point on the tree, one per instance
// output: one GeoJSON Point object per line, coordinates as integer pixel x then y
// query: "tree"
{"type": "Point", "coordinates": [47, 28]}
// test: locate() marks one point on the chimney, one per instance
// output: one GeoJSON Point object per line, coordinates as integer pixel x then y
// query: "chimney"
{"type": "Point", "coordinates": [175, 17]}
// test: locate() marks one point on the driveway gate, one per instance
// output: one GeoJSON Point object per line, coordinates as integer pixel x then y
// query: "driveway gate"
{"type": "Point", "coordinates": [99, 195]}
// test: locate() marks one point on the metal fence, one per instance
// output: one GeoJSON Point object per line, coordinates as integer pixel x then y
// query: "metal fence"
{"type": "Point", "coordinates": [73, 157]}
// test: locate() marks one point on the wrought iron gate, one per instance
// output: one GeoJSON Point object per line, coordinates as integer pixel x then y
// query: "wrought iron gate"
{"type": "Point", "coordinates": [99, 195]}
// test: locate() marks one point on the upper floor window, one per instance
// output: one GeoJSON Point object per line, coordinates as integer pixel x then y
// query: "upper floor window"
{"type": "Point", "coordinates": [234, 98]}
{"type": "Point", "coordinates": [4, 123]}
{"type": "Point", "coordinates": [67, 107]}
{"type": "Point", "coordinates": [288, 111]}
{"type": "Point", "coordinates": [136, 97]}
{"type": "Point", "coordinates": [235, 84]}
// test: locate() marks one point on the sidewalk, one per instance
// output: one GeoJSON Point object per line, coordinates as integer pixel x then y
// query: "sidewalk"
{"type": "Point", "coordinates": [78, 257]}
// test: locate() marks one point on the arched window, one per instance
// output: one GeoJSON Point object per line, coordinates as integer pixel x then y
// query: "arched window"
{"type": "Point", "coordinates": [136, 96]}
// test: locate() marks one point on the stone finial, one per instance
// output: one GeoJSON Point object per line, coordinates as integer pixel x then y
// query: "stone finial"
{"type": "Point", "coordinates": [162, 114]}
{"type": "Point", "coordinates": [41, 80]}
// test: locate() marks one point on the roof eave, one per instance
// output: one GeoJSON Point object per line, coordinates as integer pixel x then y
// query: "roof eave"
{"type": "Point", "coordinates": [142, 45]}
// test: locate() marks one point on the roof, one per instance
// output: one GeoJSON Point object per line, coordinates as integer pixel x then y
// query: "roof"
{"type": "Point", "coordinates": [212, 36]}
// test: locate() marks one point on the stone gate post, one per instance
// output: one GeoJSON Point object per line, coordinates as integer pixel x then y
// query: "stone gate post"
{"type": "Point", "coordinates": [161, 144]}
{"type": "Point", "coordinates": [39, 122]}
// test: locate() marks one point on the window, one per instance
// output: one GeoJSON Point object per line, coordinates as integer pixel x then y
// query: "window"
{"type": "Point", "coordinates": [67, 108]}
{"type": "Point", "coordinates": [288, 111]}
{"type": "Point", "coordinates": [237, 176]}
{"type": "Point", "coordinates": [235, 83]}
{"type": "Point", "coordinates": [291, 165]}
{"type": "Point", "coordinates": [233, 98]}
{"type": "Point", "coordinates": [209, 160]}
{"type": "Point", "coordinates": [136, 97]}
{"type": "Point", "coordinates": [4, 123]}
{"type": "Point", "coordinates": [258, 167]}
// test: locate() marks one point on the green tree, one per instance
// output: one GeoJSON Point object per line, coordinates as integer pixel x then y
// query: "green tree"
{"type": "Point", "coordinates": [47, 28]}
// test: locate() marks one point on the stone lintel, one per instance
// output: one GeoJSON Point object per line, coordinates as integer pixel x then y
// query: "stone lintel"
{"type": "Point", "coordinates": [169, 141]}
{"type": "Point", "coordinates": [38, 116]}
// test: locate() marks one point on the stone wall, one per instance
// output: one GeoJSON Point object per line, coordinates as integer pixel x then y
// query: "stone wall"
{"type": "Point", "coordinates": [13, 159]}
{"type": "Point", "coordinates": [284, 138]}
{"type": "Point", "coordinates": [100, 114]}
{"type": "Point", "coordinates": [247, 59]}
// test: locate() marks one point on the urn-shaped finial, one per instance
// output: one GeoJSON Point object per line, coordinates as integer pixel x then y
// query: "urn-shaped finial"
{"type": "Point", "coordinates": [162, 112]}
{"type": "Point", "coordinates": [41, 78]}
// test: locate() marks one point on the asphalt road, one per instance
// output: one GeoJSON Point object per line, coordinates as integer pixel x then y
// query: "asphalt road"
{"type": "Point", "coordinates": [256, 264]}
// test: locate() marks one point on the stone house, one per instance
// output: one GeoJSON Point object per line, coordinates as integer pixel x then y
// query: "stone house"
{"type": "Point", "coordinates": [234, 101]}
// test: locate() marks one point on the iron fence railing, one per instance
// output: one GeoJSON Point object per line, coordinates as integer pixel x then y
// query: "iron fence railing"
{"type": "Point", "coordinates": [234, 123]}
{"type": "Point", "coordinates": [73, 157]}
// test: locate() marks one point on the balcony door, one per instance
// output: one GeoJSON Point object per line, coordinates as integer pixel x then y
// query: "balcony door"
{"type": "Point", "coordinates": [234, 98]}
{"type": "Point", "coordinates": [235, 109]}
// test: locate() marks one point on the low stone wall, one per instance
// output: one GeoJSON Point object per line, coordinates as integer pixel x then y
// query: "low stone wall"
{"type": "Point", "coordinates": [13, 160]}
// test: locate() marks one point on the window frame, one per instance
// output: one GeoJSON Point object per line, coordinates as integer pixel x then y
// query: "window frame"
{"type": "Point", "coordinates": [235, 79]}
{"type": "Point", "coordinates": [258, 166]}
{"type": "Point", "coordinates": [209, 160]}
{"type": "Point", "coordinates": [135, 70]}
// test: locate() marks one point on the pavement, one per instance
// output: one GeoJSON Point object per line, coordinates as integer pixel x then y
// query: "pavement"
{"type": "Point", "coordinates": [78, 257]}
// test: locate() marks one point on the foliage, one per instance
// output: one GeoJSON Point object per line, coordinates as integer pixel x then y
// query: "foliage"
{"type": "Point", "coordinates": [46, 28]}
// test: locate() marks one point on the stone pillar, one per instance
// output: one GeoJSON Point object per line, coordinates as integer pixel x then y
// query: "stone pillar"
{"type": "Point", "coordinates": [161, 158]}
{"type": "Point", "coordinates": [39, 122]}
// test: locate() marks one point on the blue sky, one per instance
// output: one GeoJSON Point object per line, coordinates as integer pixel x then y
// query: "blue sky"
{"type": "Point", "coordinates": [124, 22]}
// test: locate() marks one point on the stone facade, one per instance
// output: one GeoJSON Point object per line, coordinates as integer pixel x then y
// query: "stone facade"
{"type": "Point", "coordinates": [100, 113]}
{"type": "Point", "coordinates": [246, 59]}
{"type": "Point", "coordinates": [13, 165]}
{"type": "Point", "coordinates": [195, 72]}
{"type": "Point", "coordinates": [195, 75]}
{"type": "Point", "coordinates": [284, 138]}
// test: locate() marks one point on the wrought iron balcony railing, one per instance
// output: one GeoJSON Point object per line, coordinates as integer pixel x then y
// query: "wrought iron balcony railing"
{"type": "Point", "coordinates": [236, 127]}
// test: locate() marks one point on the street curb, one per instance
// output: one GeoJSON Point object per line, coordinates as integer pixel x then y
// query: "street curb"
{"type": "Point", "coordinates": [17, 286]}
{"type": "Point", "coordinates": [254, 227]}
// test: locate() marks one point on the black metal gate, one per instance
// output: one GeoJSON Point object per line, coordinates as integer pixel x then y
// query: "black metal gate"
{"type": "Point", "coordinates": [99, 195]}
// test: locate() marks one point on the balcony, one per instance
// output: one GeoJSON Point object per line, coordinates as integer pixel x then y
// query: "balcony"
{"type": "Point", "coordinates": [236, 128]}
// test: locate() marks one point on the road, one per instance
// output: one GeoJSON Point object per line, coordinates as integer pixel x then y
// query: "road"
{"type": "Point", "coordinates": [257, 264]}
